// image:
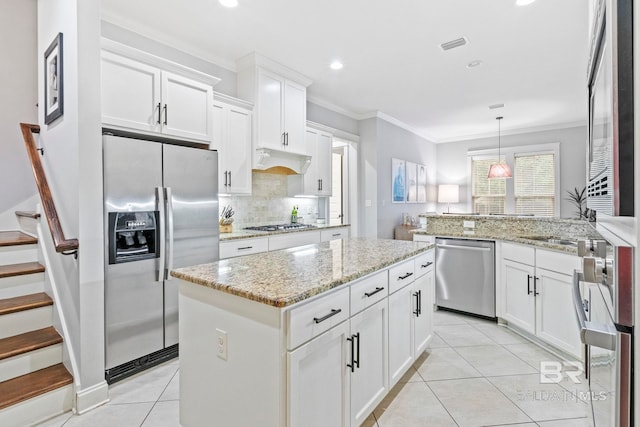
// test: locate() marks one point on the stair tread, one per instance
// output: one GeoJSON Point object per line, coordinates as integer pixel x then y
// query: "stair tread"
{"type": "Point", "coordinates": [30, 385]}
{"type": "Point", "coordinates": [29, 341]}
{"type": "Point", "coordinates": [24, 302]}
{"type": "Point", "coordinates": [20, 269]}
{"type": "Point", "coordinates": [14, 238]}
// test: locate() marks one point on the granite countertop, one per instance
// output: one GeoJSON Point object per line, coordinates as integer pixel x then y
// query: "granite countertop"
{"type": "Point", "coordinates": [525, 240]}
{"type": "Point", "coordinates": [246, 234]}
{"type": "Point", "coordinates": [284, 277]}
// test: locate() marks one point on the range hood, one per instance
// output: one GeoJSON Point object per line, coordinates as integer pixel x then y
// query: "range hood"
{"type": "Point", "coordinates": [268, 158]}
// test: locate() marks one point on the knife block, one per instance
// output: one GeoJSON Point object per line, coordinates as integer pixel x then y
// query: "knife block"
{"type": "Point", "coordinates": [226, 228]}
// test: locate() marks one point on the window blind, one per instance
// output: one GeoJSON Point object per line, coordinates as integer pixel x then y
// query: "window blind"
{"type": "Point", "coordinates": [534, 184]}
{"type": "Point", "coordinates": [488, 195]}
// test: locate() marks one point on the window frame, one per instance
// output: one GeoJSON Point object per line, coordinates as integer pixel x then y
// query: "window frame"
{"type": "Point", "coordinates": [509, 153]}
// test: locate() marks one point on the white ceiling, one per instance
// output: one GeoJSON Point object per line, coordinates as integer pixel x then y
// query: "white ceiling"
{"type": "Point", "coordinates": [534, 57]}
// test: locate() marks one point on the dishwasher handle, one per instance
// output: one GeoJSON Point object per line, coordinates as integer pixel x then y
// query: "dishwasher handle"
{"type": "Point", "coordinates": [466, 248]}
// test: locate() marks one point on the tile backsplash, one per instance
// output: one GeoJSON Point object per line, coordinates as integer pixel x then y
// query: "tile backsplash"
{"type": "Point", "coordinates": [269, 203]}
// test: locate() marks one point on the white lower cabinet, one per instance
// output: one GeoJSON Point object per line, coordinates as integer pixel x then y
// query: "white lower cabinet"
{"type": "Point", "coordinates": [368, 360]}
{"type": "Point", "coordinates": [410, 319]}
{"type": "Point", "coordinates": [400, 345]}
{"type": "Point", "coordinates": [537, 295]}
{"type": "Point", "coordinates": [318, 385]}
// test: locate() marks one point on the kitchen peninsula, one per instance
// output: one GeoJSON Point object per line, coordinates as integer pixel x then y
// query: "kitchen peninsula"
{"type": "Point", "coordinates": [306, 336]}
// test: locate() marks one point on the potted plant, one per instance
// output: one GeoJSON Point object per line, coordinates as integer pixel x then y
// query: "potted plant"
{"type": "Point", "coordinates": [579, 200]}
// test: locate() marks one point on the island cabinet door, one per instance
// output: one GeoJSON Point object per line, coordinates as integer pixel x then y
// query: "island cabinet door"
{"type": "Point", "coordinates": [368, 360]}
{"type": "Point", "coordinates": [400, 333]}
{"type": "Point", "coordinates": [422, 312]}
{"type": "Point", "coordinates": [518, 284]}
{"type": "Point", "coordinates": [319, 380]}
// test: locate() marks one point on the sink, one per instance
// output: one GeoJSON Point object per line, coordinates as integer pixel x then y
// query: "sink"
{"type": "Point", "coordinates": [553, 240]}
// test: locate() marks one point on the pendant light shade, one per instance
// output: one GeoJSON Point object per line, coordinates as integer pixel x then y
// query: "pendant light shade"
{"type": "Point", "coordinates": [500, 169]}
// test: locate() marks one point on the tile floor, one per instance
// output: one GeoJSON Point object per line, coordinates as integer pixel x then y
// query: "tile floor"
{"type": "Point", "coordinates": [475, 373]}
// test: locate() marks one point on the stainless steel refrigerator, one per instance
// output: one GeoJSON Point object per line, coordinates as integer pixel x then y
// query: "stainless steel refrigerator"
{"type": "Point", "coordinates": [160, 213]}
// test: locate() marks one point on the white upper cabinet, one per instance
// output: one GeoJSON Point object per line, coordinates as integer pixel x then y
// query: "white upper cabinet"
{"type": "Point", "coordinates": [280, 98]}
{"type": "Point", "coordinates": [145, 93]}
{"type": "Point", "coordinates": [316, 181]}
{"type": "Point", "coordinates": [232, 138]}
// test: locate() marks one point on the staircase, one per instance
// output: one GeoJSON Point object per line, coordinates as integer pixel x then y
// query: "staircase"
{"type": "Point", "coordinates": [34, 384]}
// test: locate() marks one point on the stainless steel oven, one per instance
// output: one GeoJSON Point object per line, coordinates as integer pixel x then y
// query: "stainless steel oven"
{"type": "Point", "coordinates": [603, 299]}
{"type": "Point", "coordinates": [610, 189]}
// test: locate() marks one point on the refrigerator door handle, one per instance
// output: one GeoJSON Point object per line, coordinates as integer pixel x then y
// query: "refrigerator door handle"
{"type": "Point", "coordinates": [169, 266]}
{"type": "Point", "coordinates": [161, 232]}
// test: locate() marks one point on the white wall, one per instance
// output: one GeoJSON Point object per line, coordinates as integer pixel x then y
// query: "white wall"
{"type": "Point", "coordinates": [368, 178]}
{"type": "Point", "coordinates": [453, 165]}
{"type": "Point", "coordinates": [395, 142]}
{"type": "Point", "coordinates": [73, 164]}
{"type": "Point", "coordinates": [19, 70]}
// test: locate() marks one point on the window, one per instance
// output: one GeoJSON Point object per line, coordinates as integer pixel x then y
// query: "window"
{"type": "Point", "coordinates": [534, 184]}
{"type": "Point", "coordinates": [488, 195]}
{"type": "Point", "coordinates": [533, 189]}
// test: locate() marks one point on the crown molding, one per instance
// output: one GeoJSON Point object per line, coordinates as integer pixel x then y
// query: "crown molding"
{"type": "Point", "coordinates": [338, 133]}
{"type": "Point", "coordinates": [390, 119]}
{"type": "Point", "coordinates": [162, 39]}
{"type": "Point", "coordinates": [333, 107]}
{"type": "Point", "coordinates": [254, 59]}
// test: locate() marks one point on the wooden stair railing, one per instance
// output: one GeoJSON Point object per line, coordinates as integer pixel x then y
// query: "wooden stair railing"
{"type": "Point", "coordinates": [62, 244]}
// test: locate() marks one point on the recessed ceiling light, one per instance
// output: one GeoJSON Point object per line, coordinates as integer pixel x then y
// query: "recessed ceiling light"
{"type": "Point", "coordinates": [474, 64]}
{"type": "Point", "coordinates": [336, 65]}
{"type": "Point", "coordinates": [524, 2]}
{"type": "Point", "coordinates": [229, 3]}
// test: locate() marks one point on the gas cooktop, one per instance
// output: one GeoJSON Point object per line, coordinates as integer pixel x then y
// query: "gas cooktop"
{"type": "Point", "coordinates": [280, 227]}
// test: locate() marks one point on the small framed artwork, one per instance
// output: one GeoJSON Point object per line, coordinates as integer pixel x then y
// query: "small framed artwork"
{"type": "Point", "coordinates": [411, 182]}
{"type": "Point", "coordinates": [53, 88]}
{"type": "Point", "coordinates": [422, 184]}
{"type": "Point", "coordinates": [398, 193]}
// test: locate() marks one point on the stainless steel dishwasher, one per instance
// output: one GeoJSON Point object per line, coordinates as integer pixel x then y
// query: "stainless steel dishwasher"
{"type": "Point", "coordinates": [465, 276]}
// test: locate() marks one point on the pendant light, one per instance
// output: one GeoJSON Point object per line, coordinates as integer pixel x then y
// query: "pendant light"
{"type": "Point", "coordinates": [499, 170]}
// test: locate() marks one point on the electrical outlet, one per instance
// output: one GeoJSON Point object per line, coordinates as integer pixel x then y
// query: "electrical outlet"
{"type": "Point", "coordinates": [469, 224]}
{"type": "Point", "coordinates": [221, 341]}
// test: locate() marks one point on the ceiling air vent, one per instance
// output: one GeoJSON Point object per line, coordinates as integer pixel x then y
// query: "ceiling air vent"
{"type": "Point", "coordinates": [494, 106]}
{"type": "Point", "coordinates": [454, 43]}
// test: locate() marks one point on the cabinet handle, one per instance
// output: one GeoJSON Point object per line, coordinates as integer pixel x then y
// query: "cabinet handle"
{"type": "Point", "coordinates": [357, 360]}
{"type": "Point", "coordinates": [165, 114]}
{"type": "Point", "coordinates": [405, 276]}
{"type": "Point", "coordinates": [529, 284]}
{"type": "Point", "coordinates": [229, 178]}
{"type": "Point", "coordinates": [244, 248]}
{"type": "Point", "coordinates": [418, 310]}
{"type": "Point", "coordinates": [326, 316]}
{"type": "Point", "coordinates": [225, 178]}
{"type": "Point", "coordinates": [319, 185]}
{"type": "Point", "coordinates": [286, 138]}
{"type": "Point", "coordinates": [372, 293]}
{"type": "Point", "coordinates": [159, 112]}
{"type": "Point", "coordinates": [336, 234]}
{"type": "Point", "coordinates": [352, 365]}
{"type": "Point", "coordinates": [535, 286]}
{"type": "Point", "coordinates": [427, 264]}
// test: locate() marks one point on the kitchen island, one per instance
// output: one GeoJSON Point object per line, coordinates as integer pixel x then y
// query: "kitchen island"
{"type": "Point", "coordinates": [312, 335]}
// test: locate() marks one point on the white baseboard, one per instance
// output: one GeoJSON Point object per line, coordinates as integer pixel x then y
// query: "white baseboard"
{"type": "Point", "coordinates": [91, 397]}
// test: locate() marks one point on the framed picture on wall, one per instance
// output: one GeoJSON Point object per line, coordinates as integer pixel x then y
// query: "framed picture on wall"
{"type": "Point", "coordinates": [53, 88]}
{"type": "Point", "coordinates": [422, 184]}
{"type": "Point", "coordinates": [411, 182]}
{"type": "Point", "coordinates": [398, 193]}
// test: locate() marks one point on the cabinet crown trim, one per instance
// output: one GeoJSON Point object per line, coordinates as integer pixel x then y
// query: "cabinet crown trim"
{"type": "Point", "coordinates": [254, 59]}
{"type": "Point", "coordinates": [156, 61]}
